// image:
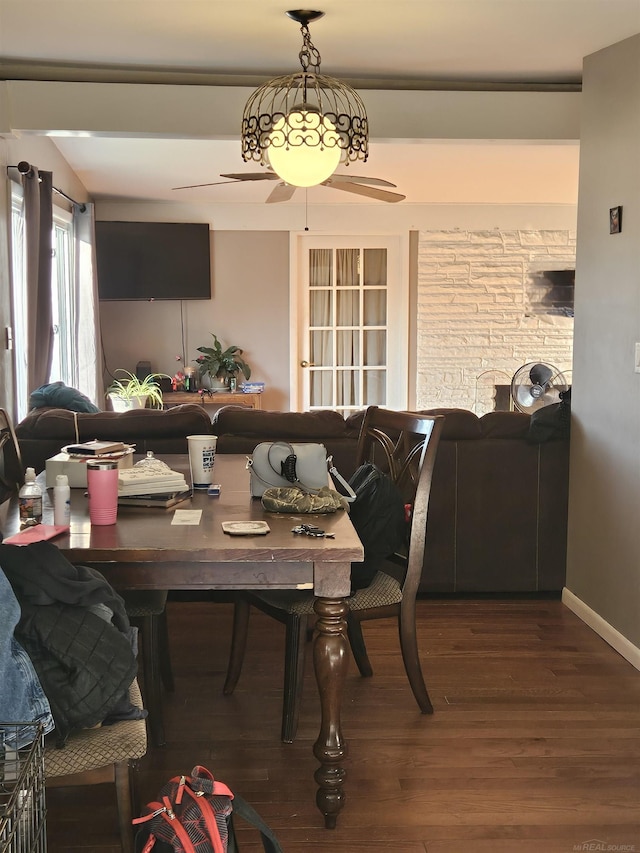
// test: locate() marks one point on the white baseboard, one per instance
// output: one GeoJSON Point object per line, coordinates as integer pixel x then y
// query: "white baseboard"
{"type": "Point", "coordinates": [608, 633]}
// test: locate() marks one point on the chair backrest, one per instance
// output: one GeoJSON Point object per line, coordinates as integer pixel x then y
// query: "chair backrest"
{"type": "Point", "coordinates": [404, 445]}
{"type": "Point", "coordinates": [11, 470]}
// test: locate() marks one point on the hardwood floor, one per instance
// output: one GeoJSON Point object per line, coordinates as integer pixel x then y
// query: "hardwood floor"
{"type": "Point", "coordinates": [534, 744]}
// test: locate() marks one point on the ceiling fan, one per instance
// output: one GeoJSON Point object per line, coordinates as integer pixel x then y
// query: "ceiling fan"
{"type": "Point", "coordinates": [369, 187]}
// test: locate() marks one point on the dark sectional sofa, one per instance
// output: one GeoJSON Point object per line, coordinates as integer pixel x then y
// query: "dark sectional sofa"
{"type": "Point", "coordinates": [498, 511]}
{"type": "Point", "coordinates": [44, 431]}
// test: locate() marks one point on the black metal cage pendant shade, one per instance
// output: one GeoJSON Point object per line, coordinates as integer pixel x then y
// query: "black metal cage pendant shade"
{"type": "Point", "coordinates": [304, 124]}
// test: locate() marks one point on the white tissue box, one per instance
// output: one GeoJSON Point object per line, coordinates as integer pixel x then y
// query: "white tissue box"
{"type": "Point", "coordinates": [76, 469]}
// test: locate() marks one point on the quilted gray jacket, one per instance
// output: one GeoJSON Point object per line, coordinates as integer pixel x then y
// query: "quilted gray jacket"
{"type": "Point", "coordinates": [75, 629]}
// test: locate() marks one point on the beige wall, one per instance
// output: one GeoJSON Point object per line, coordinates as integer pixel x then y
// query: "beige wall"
{"type": "Point", "coordinates": [459, 333]}
{"type": "Point", "coordinates": [604, 512]}
{"type": "Point", "coordinates": [250, 305]}
{"type": "Point", "coordinates": [249, 308]}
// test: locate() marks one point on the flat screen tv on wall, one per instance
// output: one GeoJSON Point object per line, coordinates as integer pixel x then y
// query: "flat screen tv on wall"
{"type": "Point", "coordinates": [153, 260]}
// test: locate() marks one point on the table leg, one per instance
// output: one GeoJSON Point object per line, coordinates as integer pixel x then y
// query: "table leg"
{"type": "Point", "coordinates": [330, 663]}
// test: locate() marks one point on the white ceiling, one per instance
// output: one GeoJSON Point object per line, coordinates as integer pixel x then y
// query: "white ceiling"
{"type": "Point", "coordinates": [508, 40]}
{"type": "Point", "coordinates": [376, 44]}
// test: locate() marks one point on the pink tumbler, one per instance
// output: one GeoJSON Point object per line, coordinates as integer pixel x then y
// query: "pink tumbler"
{"type": "Point", "coordinates": [102, 480]}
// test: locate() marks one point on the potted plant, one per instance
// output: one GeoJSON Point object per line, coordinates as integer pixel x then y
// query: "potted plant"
{"type": "Point", "coordinates": [133, 393]}
{"type": "Point", "coordinates": [222, 364]}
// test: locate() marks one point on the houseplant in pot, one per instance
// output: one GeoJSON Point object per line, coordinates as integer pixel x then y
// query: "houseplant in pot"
{"type": "Point", "coordinates": [133, 393]}
{"type": "Point", "coordinates": [223, 365]}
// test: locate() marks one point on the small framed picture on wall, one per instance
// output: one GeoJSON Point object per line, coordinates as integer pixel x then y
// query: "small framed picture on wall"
{"type": "Point", "coordinates": [615, 220]}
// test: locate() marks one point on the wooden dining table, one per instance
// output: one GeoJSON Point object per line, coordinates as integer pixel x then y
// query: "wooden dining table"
{"type": "Point", "coordinates": [145, 550]}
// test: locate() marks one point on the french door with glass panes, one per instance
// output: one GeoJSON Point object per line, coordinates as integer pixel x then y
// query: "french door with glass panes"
{"type": "Point", "coordinates": [350, 306]}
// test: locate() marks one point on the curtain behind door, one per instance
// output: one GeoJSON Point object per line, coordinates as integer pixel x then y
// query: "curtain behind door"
{"type": "Point", "coordinates": [87, 340]}
{"type": "Point", "coordinates": [38, 212]}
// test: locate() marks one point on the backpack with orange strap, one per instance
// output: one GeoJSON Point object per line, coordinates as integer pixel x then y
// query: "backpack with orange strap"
{"type": "Point", "coordinates": [194, 814]}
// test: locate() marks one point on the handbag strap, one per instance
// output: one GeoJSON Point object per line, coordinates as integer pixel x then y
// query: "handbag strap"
{"type": "Point", "coordinates": [351, 495]}
{"type": "Point", "coordinates": [264, 482]}
{"type": "Point", "coordinates": [287, 466]}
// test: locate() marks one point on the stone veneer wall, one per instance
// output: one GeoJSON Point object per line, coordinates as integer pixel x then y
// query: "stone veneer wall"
{"type": "Point", "coordinates": [472, 326]}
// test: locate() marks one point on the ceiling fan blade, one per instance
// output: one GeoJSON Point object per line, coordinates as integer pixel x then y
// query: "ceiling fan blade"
{"type": "Point", "coordinates": [234, 178]}
{"type": "Point", "coordinates": [360, 179]}
{"type": "Point", "coordinates": [281, 192]}
{"type": "Point", "coordinates": [370, 192]}
{"type": "Point", "coordinates": [195, 186]}
{"type": "Point", "coordinates": [253, 176]}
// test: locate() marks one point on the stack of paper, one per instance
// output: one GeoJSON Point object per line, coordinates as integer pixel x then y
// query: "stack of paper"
{"type": "Point", "coordinates": [98, 448]}
{"type": "Point", "coordinates": [141, 481]}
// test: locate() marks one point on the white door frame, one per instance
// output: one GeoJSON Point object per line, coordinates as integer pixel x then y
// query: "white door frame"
{"type": "Point", "coordinates": [398, 312]}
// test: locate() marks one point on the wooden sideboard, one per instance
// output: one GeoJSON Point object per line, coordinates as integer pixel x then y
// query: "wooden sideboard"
{"type": "Point", "coordinates": [214, 402]}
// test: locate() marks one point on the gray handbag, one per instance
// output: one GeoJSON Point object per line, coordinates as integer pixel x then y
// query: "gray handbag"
{"type": "Point", "coordinates": [279, 464]}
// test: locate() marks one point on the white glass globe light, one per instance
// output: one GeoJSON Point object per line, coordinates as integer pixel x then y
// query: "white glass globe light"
{"type": "Point", "coordinates": [304, 149]}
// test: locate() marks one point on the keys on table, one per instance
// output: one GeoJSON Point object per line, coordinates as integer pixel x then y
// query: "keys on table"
{"type": "Point", "coordinates": [312, 530]}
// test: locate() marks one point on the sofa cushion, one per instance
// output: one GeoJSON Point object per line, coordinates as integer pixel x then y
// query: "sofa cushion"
{"type": "Point", "coordinates": [505, 425]}
{"type": "Point", "coordinates": [45, 431]}
{"type": "Point", "coordinates": [354, 423]}
{"type": "Point", "coordinates": [59, 424]}
{"type": "Point", "coordinates": [458, 424]}
{"type": "Point", "coordinates": [321, 424]}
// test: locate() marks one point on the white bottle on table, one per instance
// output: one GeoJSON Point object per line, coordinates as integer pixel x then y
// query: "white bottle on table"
{"type": "Point", "coordinates": [62, 501]}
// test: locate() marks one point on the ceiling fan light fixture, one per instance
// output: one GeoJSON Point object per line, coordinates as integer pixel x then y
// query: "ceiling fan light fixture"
{"type": "Point", "coordinates": [304, 148]}
{"type": "Point", "coordinates": [316, 120]}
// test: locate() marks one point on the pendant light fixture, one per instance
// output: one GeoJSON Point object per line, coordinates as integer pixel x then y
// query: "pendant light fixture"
{"type": "Point", "coordinates": [304, 124]}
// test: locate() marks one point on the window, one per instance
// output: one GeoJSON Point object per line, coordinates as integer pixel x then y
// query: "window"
{"type": "Point", "coordinates": [63, 367]}
{"type": "Point", "coordinates": [64, 363]}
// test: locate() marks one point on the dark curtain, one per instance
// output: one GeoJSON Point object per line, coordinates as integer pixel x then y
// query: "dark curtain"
{"type": "Point", "coordinates": [38, 214]}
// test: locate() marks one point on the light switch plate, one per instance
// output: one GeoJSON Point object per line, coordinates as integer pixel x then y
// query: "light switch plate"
{"type": "Point", "coordinates": [636, 362]}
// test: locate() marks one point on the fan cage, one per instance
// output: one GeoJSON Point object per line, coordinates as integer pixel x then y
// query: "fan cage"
{"type": "Point", "coordinates": [538, 397]}
{"type": "Point", "coordinates": [305, 91]}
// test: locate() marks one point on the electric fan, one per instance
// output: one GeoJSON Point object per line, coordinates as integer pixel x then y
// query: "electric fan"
{"type": "Point", "coordinates": [537, 384]}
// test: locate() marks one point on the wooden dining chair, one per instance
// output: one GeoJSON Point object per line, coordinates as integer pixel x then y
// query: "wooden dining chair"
{"type": "Point", "coordinates": [147, 611]}
{"type": "Point", "coordinates": [404, 445]}
{"type": "Point", "coordinates": [100, 755]}
{"type": "Point", "coordinates": [11, 469]}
